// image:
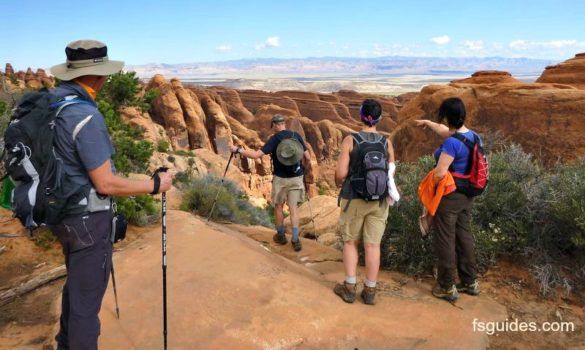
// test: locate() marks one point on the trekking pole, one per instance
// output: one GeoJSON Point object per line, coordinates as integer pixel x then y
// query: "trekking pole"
{"type": "Point", "coordinates": [164, 255]}
{"type": "Point", "coordinates": [310, 209]}
{"type": "Point", "coordinates": [219, 189]}
{"type": "Point", "coordinates": [115, 291]}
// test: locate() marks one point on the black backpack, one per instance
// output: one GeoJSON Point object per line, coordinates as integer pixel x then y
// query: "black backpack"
{"type": "Point", "coordinates": [368, 177]}
{"type": "Point", "coordinates": [30, 160]}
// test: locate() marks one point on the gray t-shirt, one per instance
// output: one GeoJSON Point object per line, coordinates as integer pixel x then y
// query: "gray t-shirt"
{"type": "Point", "coordinates": [81, 139]}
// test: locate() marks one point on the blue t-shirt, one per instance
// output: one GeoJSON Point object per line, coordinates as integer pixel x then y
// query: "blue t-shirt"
{"type": "Point", "coordinates": [457, 150]}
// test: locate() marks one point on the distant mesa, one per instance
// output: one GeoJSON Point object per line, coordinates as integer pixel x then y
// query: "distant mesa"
{"type": "Point", "coordinates": [571, 72]}
{"type": "Point", "coordinates": [488, 77]}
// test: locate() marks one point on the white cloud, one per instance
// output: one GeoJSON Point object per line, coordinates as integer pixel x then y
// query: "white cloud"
{"type": "Point", "coordinates": [270, 42]}
{"type": "Point", "coordinates": [223, 48]}
{"type": "Point", "coordinates": [553, 44]}
{"type": "Point", "coordinates": [441, 40]}
{"type": "Point", "coordinates": [473, 45]}
{"type": "Point", "coordinates": [518, 45]}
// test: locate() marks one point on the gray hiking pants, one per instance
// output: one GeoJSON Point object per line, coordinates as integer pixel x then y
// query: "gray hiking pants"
{"type": "Point", "coordinates": [88, 257]}
{"type": "Point", "coordinates": [453, 240]}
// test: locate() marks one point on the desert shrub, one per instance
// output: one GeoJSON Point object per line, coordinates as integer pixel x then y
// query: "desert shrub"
{"type": "Point", "coordinates": [532, 215]}
{"type": "Point", "coordinates": [403, 247]}
{"type": "Point", "coordinates": [567, 207]}
{"type": "Point", "coordinates": [181, 152]}
{"type": "Point", "coordinates": [132, 152]}
{"type": "Point", "coordinates": [232, 203]}
{"type": "Point", "coordinates": [121, 89]}
{"type": "Point", "coordinates": [140, 210]}
{"type": "Point", "coordinates": [163, 146]}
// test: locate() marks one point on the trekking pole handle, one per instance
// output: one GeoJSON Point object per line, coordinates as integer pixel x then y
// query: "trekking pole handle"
{"type": "Point", "coordinates": [162, 169]}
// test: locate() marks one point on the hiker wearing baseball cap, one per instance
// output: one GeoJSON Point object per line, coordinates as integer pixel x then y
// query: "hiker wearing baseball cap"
{"type": "Point", "coordinates": [83, 146]}
{"type": "Point", "coordinates": [289, 152]}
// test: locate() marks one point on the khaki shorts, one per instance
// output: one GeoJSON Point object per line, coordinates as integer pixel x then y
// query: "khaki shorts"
{"type": "Point", "coordinates": [363, 219]}
{"type": "Point", "coordinates": [292, 188]}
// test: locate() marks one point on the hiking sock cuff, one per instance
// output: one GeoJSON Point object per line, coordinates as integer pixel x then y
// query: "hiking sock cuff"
{"type": "Point", "coordinates": [280, 230]}
{"type": "Point", "coordinates": [295, 232]}
{"type": "Point", "coordinates": [351, 279]}
{"type": "Point", "coordinates": [370, 284]}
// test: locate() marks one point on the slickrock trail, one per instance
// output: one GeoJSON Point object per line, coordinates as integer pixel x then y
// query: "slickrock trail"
{"type": "Point", "coordinates": [229, 291]}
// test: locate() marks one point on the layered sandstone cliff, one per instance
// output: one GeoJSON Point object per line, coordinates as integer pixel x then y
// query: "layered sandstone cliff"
{"type": "Point", "coordinates": [570, 72]}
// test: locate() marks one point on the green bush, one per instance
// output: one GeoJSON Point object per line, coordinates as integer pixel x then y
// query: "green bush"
{"type": "Point", "coordinates": [132, 152]}
{"type": "Point", "coordinates": [121, 89]}
{"type": "Point", "coordinates": [403, 247]}
{"type": "Point", "coordinates": [163, 146]}
{"type": "Point", "coordinates": [567, 206]}
{"type": "Point", "coordinates": [140, 210]}
{"type": "Point", "coordinates": [232, 203]}
{"type": "Point", "coordinates": [527, 213]}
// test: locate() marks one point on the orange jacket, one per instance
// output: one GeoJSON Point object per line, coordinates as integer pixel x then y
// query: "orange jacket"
{"type": "Point", "coordinates": [430, 192]}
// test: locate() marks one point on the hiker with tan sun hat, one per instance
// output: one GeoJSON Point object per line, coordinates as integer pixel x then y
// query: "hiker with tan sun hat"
{"type": "Point", "coordinates": [85, 222]}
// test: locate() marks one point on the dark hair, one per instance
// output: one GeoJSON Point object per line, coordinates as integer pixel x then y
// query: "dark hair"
{"type": "Point", "coordinates": [454, 110]}
{"type": "Point", "coordinates": [372, 108]}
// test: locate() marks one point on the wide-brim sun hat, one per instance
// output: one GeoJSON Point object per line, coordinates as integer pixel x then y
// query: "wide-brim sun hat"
{"type": "Point", "coordinates": [289, 151]}
{"type": "Point", "coordinates": [86, 57]}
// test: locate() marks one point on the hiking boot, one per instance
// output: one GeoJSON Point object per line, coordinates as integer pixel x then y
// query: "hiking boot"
{"type": "Point", "coordinates": [450, 294]}
{"type": "Point", "coordinates": [280, 239]}
{"type": "Point", "coordinates": [346, 291]}
{"type": "Point", "coordinates": [369, 295]}
{"type": "Point", "coordinates": [471, 289]}
{"type": "Point", "coordinates": [297, 246]}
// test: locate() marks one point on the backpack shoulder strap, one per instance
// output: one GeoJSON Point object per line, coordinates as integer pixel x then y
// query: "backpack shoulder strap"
{"type": "Point", "coordinates": [357, 138]}
{"type": "Point", "coordinates": [68, 101]}
{"type": "Point", "coordinates": [465, 140]}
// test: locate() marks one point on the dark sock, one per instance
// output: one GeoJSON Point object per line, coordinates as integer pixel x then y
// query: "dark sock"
{"type": "Point", "coordinates": [280, 230]}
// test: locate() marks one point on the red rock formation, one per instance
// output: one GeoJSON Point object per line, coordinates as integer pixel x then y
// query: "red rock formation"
{"type": "Point", "coordinates": [404, 98]}
{"type": "Point", "coordinates": [168, 110]}
{"type": "Point", "coordinates": [31, 80]}
{"type": "Point", "coordinates": [328, 98]}
{"type": "Point", "coordinates": [9, 71]}
{"type": "Point", "coordinates": [217, 125]}
{"type": "Point", "coordinates": [150, 130]}
{"type": "Point", "coordinates": [193, 116]}
{"type": "Point", "coordinates": [296, 94]}
{"type": "Point", "coordinates": [263, 117]}
{"type": "Point", "coordinates": [570, 72]}
{"type": "Point", "coordinates": [332, 138]}
{"type": "Point", "coordinates": [235, 107]}
{"type": "Point", "coordinates": [488, 77]}
{"type": "Point", "coordinates": [254, 99]}
{"type": "Point", "coordinates": [313, 137]}
{"type": "Point", "coordinates": [249, 136]}
{"type": "Point", "coordinates": [546, 119]}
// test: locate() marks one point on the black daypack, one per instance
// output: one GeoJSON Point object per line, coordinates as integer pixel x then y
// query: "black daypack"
{"type": "Point", "coordinates": [368, 177]}
{"type": "Point", "coordinates": [30, 160]}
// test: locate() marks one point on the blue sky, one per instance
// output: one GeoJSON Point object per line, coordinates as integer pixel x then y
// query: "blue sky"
{"type": "Point", "coordinates": [34, 33]}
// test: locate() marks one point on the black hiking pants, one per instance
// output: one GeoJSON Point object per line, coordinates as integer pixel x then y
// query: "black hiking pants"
{"type": "Point", "coordinates": [453, 240]}
{"type": "Point", "coordinates": [88, 257]}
